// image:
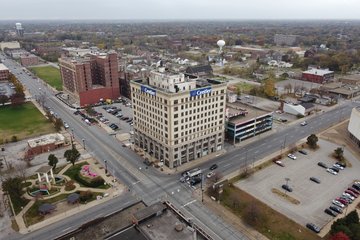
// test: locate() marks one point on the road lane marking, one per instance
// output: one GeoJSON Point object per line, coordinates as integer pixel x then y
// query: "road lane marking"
{"type": "Point", "coordinates": [136, 182]}
{"type": "Point", "coordinates": [189, 203]}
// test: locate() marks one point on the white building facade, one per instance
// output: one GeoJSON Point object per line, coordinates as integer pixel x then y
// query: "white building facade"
{"type": "Point", "coordinates": [178, 120]}
{"type": "Point", "coordinates": [354, 126]}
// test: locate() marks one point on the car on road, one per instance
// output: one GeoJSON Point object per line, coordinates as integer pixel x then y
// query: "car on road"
{"type": "Point", "coordinates": [210, 174]}
{"type": "Point", "coordinates": [291, 156]}
{"type": "Point", "coordinates": [213, 167]}
{"type": "Point", "coordinates": [302, 151]}
{"type": "Point", "coordinates": [195, 180]}
{"type": "Point", "coordinates": [330, 212]}
{"type": "Point", "coordinates": [336, 209]}
{"type": "Point", "coordinates": [314, 179]}
{"type": "Point", "coordinates": [279, 163]}
{"type": "Point", "coordinates": [313, 227]}
{"type": "Point", "coordinates": [66, 126]}
{"type": "Point", "coordinates": [287, 188]}
{"type": "Point", "coordinates": [303, 123]}
{"type": "Point", "coordinates": [321, 164]}
{"type": "Point", "coordinates": [337, 203]}
{"type": "Point", "coordinates": [329, 170]}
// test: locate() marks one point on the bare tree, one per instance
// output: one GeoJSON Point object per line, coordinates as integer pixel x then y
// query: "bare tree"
{"type": "Point", "coordinates": [20, 170]}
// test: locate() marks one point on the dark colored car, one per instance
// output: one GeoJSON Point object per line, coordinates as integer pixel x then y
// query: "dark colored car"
{"type": "Point", "coordinates": [356, 186]}
{"type": "Point", "coordinates": [335, 169]}
{"type": "Point", "coordinates": [314, 179]}
{"type": "Point", "coordinates": [213, 167]}
{"type": "Point", "coordinates": [77, 112]}
{"type": "Point", "coordinates": [321, 164]}
{"type": "Point", "coordinates": [336, 209]}
{"type": "Point", "coordinates": [287, 188]}
{"type": "Point", "coordinates": [341, 164]}
{"type": "Point", "coordinates": [195, 180]}
{"type": "Point", "coordinates": [303, 152]}
{"type": "Point", "coordinates": [313, 227]}
{"type": "Point", "coordinates": [330, 212]}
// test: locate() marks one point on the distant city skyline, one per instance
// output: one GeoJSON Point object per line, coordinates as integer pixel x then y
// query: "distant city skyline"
{"type": "Point", "coordinates": [185, 9]}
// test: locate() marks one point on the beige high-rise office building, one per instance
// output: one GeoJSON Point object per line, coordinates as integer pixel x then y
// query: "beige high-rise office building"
{"type": "Point", "coordinates": [178, 119]}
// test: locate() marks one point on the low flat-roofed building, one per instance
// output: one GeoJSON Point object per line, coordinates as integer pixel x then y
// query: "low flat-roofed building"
{"type": "Point", "coordinates": [45, 143]}
{"type": "Point", "coordinates": [351, 80]}
{"type": "Point", "coordinates": [4, 72]}
{"type": "Point", "coordinates": [9, 45]}
{"type": "Point", "coordinates": [318, 75]}
{"type": "Point", "coordinates": [244, 122]}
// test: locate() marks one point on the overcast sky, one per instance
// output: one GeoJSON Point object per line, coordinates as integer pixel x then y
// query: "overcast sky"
{"type": "Point", "coordinates": [179, 9]}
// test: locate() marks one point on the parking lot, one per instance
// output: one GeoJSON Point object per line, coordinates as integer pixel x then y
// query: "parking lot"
{"type": "Point", "coordinates": [125, 110]}
{"type": "Point", "coordinates": [314, 198]}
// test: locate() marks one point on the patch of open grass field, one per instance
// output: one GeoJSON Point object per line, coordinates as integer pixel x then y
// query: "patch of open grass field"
{"type": "Point", "coordinates": [49, 74]}
{"type": "Point", "coordinates": [23, 121]}
{"type": "Point", "coordinates": [263, 218]}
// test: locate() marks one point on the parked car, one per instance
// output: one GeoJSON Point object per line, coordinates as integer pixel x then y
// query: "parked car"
{"type": "Point", "coordinates": [357, 187]}
{"type": "Point", "coordinates": [313, 227]}
{"type": "Point", "coordinates": [213, 167]}
{"type": "Point", "coordinates": [279, 163]}
{"type": "Point", "coordinates": [343, 200]}
{"type": "Point", "coordinates": [329, 170]}
{"type": "Point", "coordinates": [302, 151]}
{"type": "Point", "coordinates": [287, 188]}
{"type": "Point", "coordinates": [336, 209]}
{"type": "Point", "coordinates": [195, 180]}
{"type": "Point", "coordinates": [355, 195]}
{"type": "Point", "coordinates": [341, 164]}
{"type": "Point", "coordinates": [292, 156]}
{"type": "Point", "coordinates": [337, 203]}
{"type": "Point", "coordinates": [321, 164]}
{"type": "Point", "coordinates": [349, 196]}
{"type": "Point", "coordinates": [354, 190]}
{"type": "Point", "coordinates": [330, 212]}
{"type": "Point", "coordinates": [338, 166]}
{"type": "Point", "coordinates": [335, 169]}
{"type": "Point", "coordinates": [314, 179]}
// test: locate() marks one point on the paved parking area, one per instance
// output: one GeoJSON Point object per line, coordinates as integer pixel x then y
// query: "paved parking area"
{"type": "Point", "coordinates": [314, 198]}
{"type": "Point", "coordinates": [124, 127]}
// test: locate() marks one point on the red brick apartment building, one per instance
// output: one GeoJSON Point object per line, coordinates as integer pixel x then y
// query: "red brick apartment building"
{"type": "Point", "coordinates": [4, 72]}
{"type": "Point", "coordinates": [91, 78]}
{"type": "Point", "coordinates": [29, 60]}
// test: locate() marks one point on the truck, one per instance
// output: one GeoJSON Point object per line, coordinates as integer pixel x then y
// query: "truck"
{"type": "Point", "coordinates": [194, 172]}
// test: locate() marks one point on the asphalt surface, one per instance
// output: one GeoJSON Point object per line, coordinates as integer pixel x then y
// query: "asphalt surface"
{"type": "Point", "coordinates": [150, 185]}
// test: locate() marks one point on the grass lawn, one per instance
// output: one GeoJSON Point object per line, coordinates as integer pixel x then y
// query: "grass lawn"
{"type": "Point", "coordinates": [49, 74]}
{"type": "Point", "coordinates": [264, 219]}
{"type": "Point", "coordinates": [245, 87]}
{"type": "Point", "coordinates": [74, 173]}
{"type": "Point", "coordinates": [23, 121]}
{"type": "Point", "coordinates": [32, 216]}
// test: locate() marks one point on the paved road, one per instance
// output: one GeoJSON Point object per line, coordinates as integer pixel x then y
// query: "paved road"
{"type": "Point", "coordinates": [151, 185]}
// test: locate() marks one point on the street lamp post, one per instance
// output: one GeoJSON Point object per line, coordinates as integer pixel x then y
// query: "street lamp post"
{"type": "Point", "coordinates": [105, 161]}
{"type": "Point", "coordinates": [83, 140]}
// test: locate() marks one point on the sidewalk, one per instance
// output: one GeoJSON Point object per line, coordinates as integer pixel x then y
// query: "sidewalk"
{"type": "Point", "coordinates": [232, 219]}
